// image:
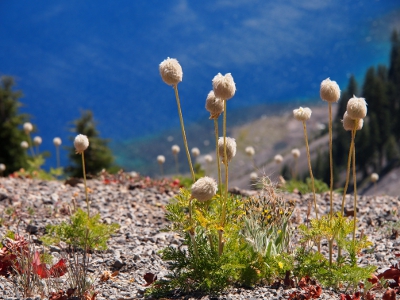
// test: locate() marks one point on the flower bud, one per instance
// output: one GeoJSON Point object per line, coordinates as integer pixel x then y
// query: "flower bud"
{"type": "Point", "coordinates": [171, 71]}
{"type": "Point", "coordinates": [37, 140]}
{"type": "Point", "coordinates": [296, 153]}
{"type": "Point", "coordinates": [329, 91]}
{"type": "Point", "coordinates": [250, 151]}
{"type": "Point", "coordinates": [230, 148]}
{"type": "Point", "coordinates": [214, 105]}
{"type": "Point", "coordinates": [175, 149]}
{"type": "Point", "coordinates": [374, 177]}
{"type": "Point", "coordinates": [224, 86]}
{"type": "Point", "coordinates": [204, 189]}
{"type": "Point", "coordinates": [81, 143]}
{"type": "Point", "coordinates": [349, 123]}
{"type": "Point", "coordinates": [24, 144]}
{"type": "Point", "coordinates": [28, 127]}
{"type": "Point", "coordinates": [57, 141]}
{"type": "Point", "coordinates": [161, 159]}
{"type": "Point", "coordinates": [302, 114]}
{"type": "Point", "coordinates": [357, 108]}
{"type": "Point", "coordinates": [278, 158]}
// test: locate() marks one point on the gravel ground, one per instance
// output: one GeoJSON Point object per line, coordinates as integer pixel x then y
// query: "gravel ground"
{"type": "Point", "coordinates": [137, 204]}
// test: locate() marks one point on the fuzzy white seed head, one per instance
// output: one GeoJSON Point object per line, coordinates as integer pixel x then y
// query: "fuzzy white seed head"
{"type": "Point", "coordinates": [250, 151]}
{"type": "Point", "coordinates": [230, 148]}
{"type": "Point", "coordinates": [349, 123]}
{"type": "Point", "coordinates": [81, 143]}
{"type": "Point", "coordinates": [2, 167]}
{"type": "Point", "coordinates": [296, 153]}
{"type": "Point", "coordinates": [278, 158]}
{"type": "Point", "coordinates": [161, 159]}
{"type": "Point", "coordinates": [214, 105]}
{"type": "Point", "coordinates": [195, 151]}
{"type": "Point", "coordinates": [329, 90]}
{"type": "Point", "coordinates": [171, 71]}
{"type": "Point", "coordinates": [253, 176]}
{"type": "Point", "coordinates": [204, 189]}
{"type": "Point", "coordinates": [175, 149]}
{"type": "Point", "coordinates": [302, 114]}
{"type": "Point", "coordinates": [224, 87]}
{"type": "Point", "coordinates": [208, 158]}
{"type": "Point", "coordinates": [57, 141]}
{"type": "Point", "coordinates": [37, 140]}
{"type": "Point", "coordinates": [24, 144]}
{"type": "Point", "coordinates": [374, 177]}
{"type": "Point", "coordinates": [357, 108]}
{"type": "Point", "coordinates": [28, 127]}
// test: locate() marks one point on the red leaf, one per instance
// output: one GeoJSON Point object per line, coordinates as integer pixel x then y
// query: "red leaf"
{"type": "Point", "coordinates": [39, 268]}
{"type": "Point", "coordinates": [390, 294]}
{"type": "Point", "coordinates": [59, 269]}
{"type": "Point", "coordinates": [150, 278]}
{"type": "Point", "coordinates": [373, 279]}
{"type": "Point", "coordinates": [369, 296]}
{"type": "Point", "coordinates": [392, 273]}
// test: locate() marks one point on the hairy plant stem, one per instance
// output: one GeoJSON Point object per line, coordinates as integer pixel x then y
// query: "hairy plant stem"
{"type": "Point", "coordinates": [354, 181]}
{"type": "Point", "coordinates": [348, 170]}
{"type": "Point", "coordinates": [310, 170]}
{"type": "Point", "coordinates": [218, 162]}
{"type": "Point", "coordinates": [225, 161]}
{"type": "Point", "coordinates": [220, 242]}
{"type": "Point", "coordinates": [84, 182]}
{"type": "Point", "coordinates": [183, 132]}
{"type": "Point", "coordinates": [330, 160]}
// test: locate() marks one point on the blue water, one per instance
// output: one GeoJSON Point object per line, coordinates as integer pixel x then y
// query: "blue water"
{"type": "Point", "coordinates": [73, 55]}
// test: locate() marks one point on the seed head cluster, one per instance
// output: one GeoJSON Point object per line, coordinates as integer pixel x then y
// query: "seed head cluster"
{"type": "Point", "coordinates": [278, 158]}
{"type": "Point", "coordinates": [27, 127]}
{"type": "Point", "coordinates": [224, 87]}
{"type": "Point", "coordinates": [230, 148]}
{"type": "Point", "coordinates": [357, 108]}
{"type": "Point", "coordinates": [329, 90]}
{"type": "Point", "coordinates": [204, 189]}
{"type": "Point", "coordinates": [250, 151]}
{"type": "Point", "coordinates": [175, 149]}
{"type": "Point", "coordinates": [195, 151]}
{"type": "Point", "coordinates": [24, 144]}
{"type": "Point", "coordinates": [296, 153]}
{"type": "Point", "coordinates": [81, 143]}
{"type": "Point", "coordinates": [302, 114]}
{"type": "Point", "coordinates": [161, 159]}
{"type": "Point", "coordinates": [37, 140]}
{"type": "Point", "coordinates": [374, 177]}
{"type": "Point", "coordinates": [214, 105]}
{"type": "Point", "coordinates": [208, 158]}
{"type": "Point", "coordinates": [2, 167]}
{"type": "Point", "coordinates": [171, 71]}
{"type": "Point", "coordinates": [57, 141]}
{"type": "Point", "coordinates": [349, 123]}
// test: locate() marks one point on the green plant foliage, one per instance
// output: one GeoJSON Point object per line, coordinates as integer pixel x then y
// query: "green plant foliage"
{"type": "Point", "coordinates": [34, 169]}
{"type": "Point", "coordinates": [82, 232]}
{"type": "Point", "coordinates": [306, 187]}
{"type": "Point", "coordinates": [343, 272]}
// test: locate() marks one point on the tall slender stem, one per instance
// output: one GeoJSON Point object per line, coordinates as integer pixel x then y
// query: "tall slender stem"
{"type": "Point", "coordinates": [58, 156]}
{"type": "Point", "coordinates": [218, 162]}
{"type": "Point", "coordinates": [225, 161]}
{"type": "Point", "coordinates": [353, 133]}
{"type": "Point", "coordinates": [183, 133]}
{"type": "Point", "coordinates": [84, 182]}
{"type": "Point", "coordinates": [330, 159]}
{"type": "Point", "coordinates": [310, 170]}
{"type": "Point", "coordinates": [355, 183]}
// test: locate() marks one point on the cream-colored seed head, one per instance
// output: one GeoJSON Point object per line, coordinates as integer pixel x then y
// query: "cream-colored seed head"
{"type": "Point", "coordinates": [28, 127]}
{"type": "Point", "coordinates": [302, 114]}
{"type": "Point", "coordinates": [195, 151]}
{"type": "Point", "coordinates": [81, 143]}
{"type": "Point", "coordinates": [37, 140]}
{"type": "Point", "coordinates": [253, 176]}
{"type": "Point", "coordinates": [57, 141]}
{"type": "Point", "coordinates": [250, 151]}
{"type": "Point", "coordinates": [329, 90]}
{"type": "Point", "coordinates": [296, 153]}
{"type": "Point", "coordinates": [224, 87]}
{"type": "Point", "coordinates": [374, 177]}
{"type": "Point", "coordinates": [171, 71]}
{"type": "Point", "coordinates": [161, 159]}
{"type": "Point", "coordinates": [2, 167]}
{"type": "Point", "coordinates": [230, 148]}
{"type": "Point", "coordinates": [24, 144]}
{"type": "Point", "coordinates": [208, 158]}
{"type": "Point", "coordinates": [175, 149]}
{"type": "Point", "coordinates": [204, 189]}
{"type": "Point", "coordinates": [349, 123]}
{"type": "Point", "coordinates": [357, 108]}
{"type": "Point", "coordinates": [214, 105]}
{"type": "Point", "coordinates": [278, 158]}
